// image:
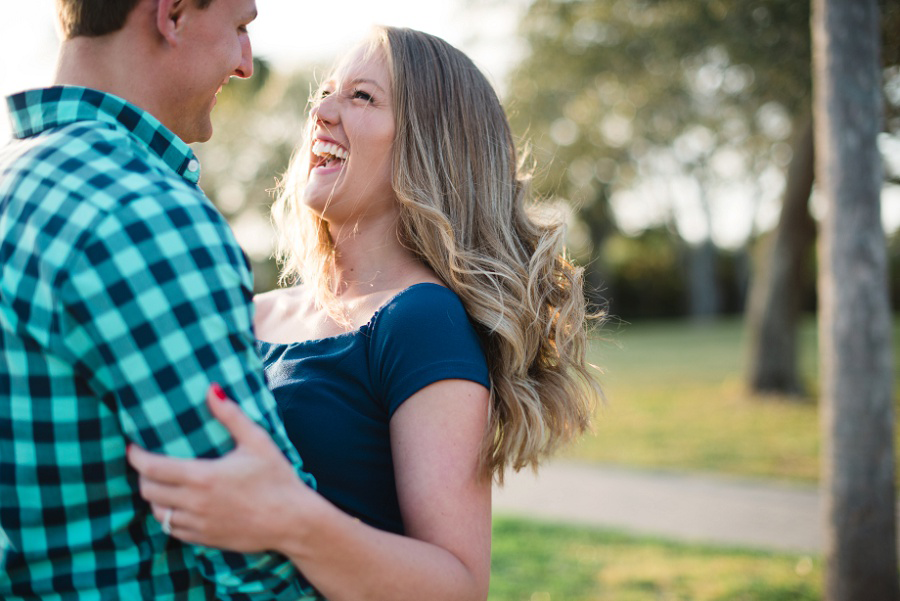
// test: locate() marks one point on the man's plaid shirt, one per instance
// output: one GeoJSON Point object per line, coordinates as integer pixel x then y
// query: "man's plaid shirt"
{"type": "Point", "coordinates": [123, 294]}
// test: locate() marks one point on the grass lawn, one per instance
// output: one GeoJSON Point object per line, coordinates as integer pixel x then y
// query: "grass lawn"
{"type": "Point", "coordinates": [541, 562]}
{"type": "Point", "coordinates": [676, 400]}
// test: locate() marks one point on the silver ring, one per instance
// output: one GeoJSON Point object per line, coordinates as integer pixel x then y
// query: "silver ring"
{"type": "Point", "coordinates": [167, 521]}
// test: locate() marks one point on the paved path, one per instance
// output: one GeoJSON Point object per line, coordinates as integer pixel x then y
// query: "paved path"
{"type": "Point", "coordinates": [720, 510]}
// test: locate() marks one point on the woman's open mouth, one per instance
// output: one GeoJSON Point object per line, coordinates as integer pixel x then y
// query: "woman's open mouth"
{"type": "Point", "coordinates": [328, 155]}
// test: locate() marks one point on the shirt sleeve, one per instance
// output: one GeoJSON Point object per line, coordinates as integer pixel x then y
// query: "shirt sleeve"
{"type": "Point", "coordinates": [421, 337]}
{"type": "Point", "coordinates": [157, 306]}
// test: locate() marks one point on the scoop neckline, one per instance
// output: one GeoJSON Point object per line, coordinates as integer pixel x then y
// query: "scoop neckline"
{"type": "Point", "coordinates": [361, 328]}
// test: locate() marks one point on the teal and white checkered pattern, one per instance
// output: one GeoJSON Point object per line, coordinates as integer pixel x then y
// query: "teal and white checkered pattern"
{"type": "Point", "coordinates": [123, 294]}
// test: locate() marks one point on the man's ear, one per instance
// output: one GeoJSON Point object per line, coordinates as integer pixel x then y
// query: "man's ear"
{"type": "Point", "coordinates": [168, 18]}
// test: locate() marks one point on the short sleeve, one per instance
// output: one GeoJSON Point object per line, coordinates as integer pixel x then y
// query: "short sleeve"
{"type": "Point", "coordinates": [423, 335]}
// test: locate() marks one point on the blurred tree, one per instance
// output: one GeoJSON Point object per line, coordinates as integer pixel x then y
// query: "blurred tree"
{"type": "Point", "coordinates": [615, 93]}
{"type": "Point", "coordinates": [257, 124]}
{"type": "Point", "coordinates": [781, 280]}
{"type": "Point", "coordinates": [855, 320]}
{"type": "Point", "coordinates": [611, 90]}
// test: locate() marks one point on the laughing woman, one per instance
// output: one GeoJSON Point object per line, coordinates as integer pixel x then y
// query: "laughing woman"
{"type": "Point", "coordinates": [436, 338]}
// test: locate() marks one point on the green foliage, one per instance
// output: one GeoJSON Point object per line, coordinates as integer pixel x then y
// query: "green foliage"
{"type": "Point", "coordinates": [890, 25]}
{"type": "Point", "coordinates": [543, 562]}
{"type": "Point", "coordinates": [607, 81]}
{"type": "Point", "coordinates": [653, 97]}
{"type": "Point", "coordinates": [646, 274]}
{"type": "Point", "coordinates": [640, 96]}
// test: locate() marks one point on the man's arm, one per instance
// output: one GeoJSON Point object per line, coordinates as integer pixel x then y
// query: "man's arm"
{"type": "Point", "coordinates": [156, 306]}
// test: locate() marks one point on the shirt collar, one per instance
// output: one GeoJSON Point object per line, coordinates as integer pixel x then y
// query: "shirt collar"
{"type": "Point", "coordinates": [35, 111]}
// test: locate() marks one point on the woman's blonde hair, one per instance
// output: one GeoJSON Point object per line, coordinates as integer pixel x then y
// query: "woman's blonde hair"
{"type": "Point", "coordinates": [462, 199]}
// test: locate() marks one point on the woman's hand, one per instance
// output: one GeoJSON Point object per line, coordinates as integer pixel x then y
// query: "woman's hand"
{"type": "Point", "coordinates": [232, 502]}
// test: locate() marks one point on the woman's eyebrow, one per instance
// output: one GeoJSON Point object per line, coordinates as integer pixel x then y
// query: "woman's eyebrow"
{"type": "Point", "coordinates": [364, 80]}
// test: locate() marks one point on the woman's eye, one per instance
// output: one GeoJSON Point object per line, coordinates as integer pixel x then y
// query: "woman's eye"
{"type": "Point", "coordinates": [362, 95]}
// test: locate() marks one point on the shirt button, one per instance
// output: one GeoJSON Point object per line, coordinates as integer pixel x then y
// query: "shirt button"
{"type": "Point", "coordinates": [193, 165]}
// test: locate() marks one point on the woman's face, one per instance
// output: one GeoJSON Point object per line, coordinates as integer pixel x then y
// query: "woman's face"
{"type": "Point", "coordinates": [349, 172]}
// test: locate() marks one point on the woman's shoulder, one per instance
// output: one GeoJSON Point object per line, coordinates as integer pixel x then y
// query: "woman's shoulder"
{"type": "Point", "coordinates": [424, 300]}
{"type": "Point", "coordinates": [272, 306]}
{"type": "Point", "coordinates": [418, 316]}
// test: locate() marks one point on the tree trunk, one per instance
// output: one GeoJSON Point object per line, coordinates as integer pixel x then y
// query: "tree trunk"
{"type": "Point", "coordinates": [703, 286]}
{"type": "Point", "coordinates": [855, 329]}
{"type": "Point", "coordinates": [704, 302]}
{"type": "Point", "coordinates": [776, 290]}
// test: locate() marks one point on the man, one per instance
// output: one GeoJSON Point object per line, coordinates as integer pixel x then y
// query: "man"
{"type": "Point", "coordinates": [123, 295]}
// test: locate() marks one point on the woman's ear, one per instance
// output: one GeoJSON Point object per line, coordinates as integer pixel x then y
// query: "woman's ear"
{"type": "Point", "coordinates": [168, 18]}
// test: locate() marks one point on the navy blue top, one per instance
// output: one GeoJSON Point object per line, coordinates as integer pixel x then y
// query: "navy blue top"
{"type": "Point", "coordinates": [337, 395]}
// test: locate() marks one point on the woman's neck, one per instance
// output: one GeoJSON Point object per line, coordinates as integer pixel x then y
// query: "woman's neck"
{"type": "Point", "coordinates": [370, 259]}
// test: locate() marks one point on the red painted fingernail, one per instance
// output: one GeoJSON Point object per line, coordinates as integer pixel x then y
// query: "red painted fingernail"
{"type": "Point", "coordinates": [217, 390]}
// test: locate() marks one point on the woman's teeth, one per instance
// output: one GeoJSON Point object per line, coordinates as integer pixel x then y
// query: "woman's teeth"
{"type": "Point", "coordinates": [329, 151]}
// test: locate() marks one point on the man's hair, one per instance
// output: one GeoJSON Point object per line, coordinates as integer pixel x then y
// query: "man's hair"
{"type": "Point", "coordinates": [94, 18]}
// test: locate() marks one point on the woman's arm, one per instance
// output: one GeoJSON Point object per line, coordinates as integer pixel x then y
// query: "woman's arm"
{"type": "Point", "coordinates": [446, 505]}
{"type": "Point", "coordinates": [246, 501]}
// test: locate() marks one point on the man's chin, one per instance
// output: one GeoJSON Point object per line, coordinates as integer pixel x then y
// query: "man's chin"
{"type": "Point", "coordinates": [204, 137]}
{"type": "Point", "coordinates": [198, 134]}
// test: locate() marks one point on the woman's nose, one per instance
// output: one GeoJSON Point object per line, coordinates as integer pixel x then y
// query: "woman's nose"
{"type": "Point", "coordinates": [326, 109]}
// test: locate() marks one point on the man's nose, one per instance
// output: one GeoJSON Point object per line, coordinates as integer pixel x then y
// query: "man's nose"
{"type": "Point", "coordinates": [245, 68]}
